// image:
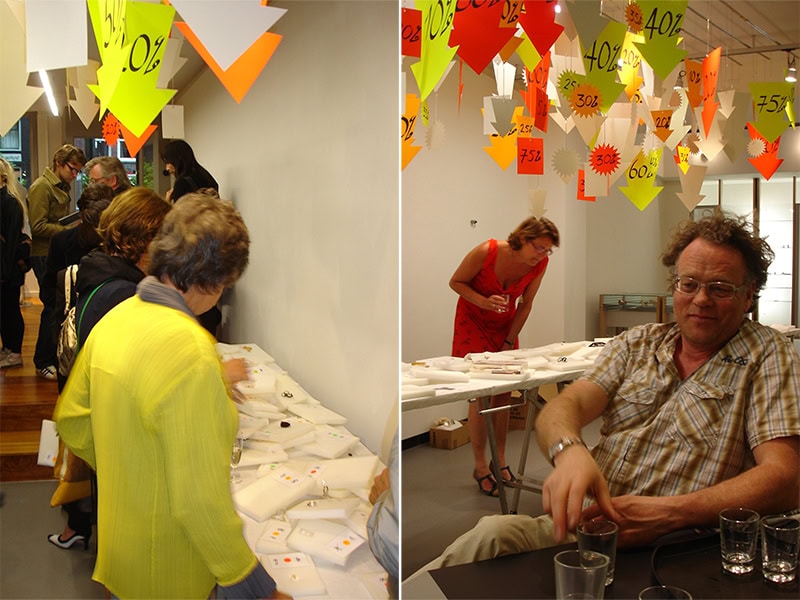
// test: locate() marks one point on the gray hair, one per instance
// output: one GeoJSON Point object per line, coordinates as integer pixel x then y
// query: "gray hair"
{"type": "Point", "coordinates": [111, 166]}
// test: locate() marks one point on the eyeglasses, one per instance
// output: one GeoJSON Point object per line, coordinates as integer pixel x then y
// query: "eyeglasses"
{"type": "Point", "coordinates": [540, 249]}
{"type": "Point", "coordinates": [718, 290]}
{"type": "Point", "coordinates": [98, 180]}
{"type": "Point", "coordinates": [75, 170]}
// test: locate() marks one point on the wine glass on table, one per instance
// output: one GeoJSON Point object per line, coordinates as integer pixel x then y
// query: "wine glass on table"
{"type": "Point", "coordinates": [236, 456]}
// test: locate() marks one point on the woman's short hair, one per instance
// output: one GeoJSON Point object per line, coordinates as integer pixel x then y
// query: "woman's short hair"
{"type": "Point", "coordinates": [723, 229]}
{"type": "Point", "coordinates": [532, 228]}
{"type": "Point", "coordinates": [203, 242]}
{"type": "Point", "coordinates": [179, 154]}
{"type": "Point", "coordinates": [131, 222]}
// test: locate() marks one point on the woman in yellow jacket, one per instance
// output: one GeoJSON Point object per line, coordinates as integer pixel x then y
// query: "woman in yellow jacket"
{"type": "Point", "coordinates": [146, 406]}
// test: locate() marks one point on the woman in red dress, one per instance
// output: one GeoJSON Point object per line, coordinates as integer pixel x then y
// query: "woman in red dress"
{"type": "Point", "coordinates": [486, 322]}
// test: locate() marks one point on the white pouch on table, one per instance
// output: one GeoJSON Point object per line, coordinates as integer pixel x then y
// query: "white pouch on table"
{"type": "Point", "coordinates": [350, 473]}
{"type": "Point", "coordinates": [357, 520]}
{"type": "Point", "coordinates": [565, 363]}
{"type": "Point", "coordinates": [271, 493]}
{"type": "Point", "coordinates": [323, 508]}
{"type": "Point", "coordinates": [273, 539]}
{"type": "Point", "coordinates": [317, 414]}
{"type": "Point", "coordinates": [288, 391]}
{"type": "Point", "coordinates": [249, 425]}
{"type": "Point", "coordinates": [294, 573]}
{"type": "Point", "coordinates": [252, 457]}
{"type": "Point", "coordinates": [324, 540]}
{"type": "Point", "coordinates": [250, 352]}
{"type": "Point", "coordinates": [329, 442]}
{"type": "Point", "coordinates": [284, 431]}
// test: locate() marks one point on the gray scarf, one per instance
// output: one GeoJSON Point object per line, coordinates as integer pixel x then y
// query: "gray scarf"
{"type": "Point", "coordinates": [152, 290]}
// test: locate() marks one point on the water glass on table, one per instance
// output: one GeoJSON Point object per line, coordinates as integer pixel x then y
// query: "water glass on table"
{"type": "Point", "coordinates": [664, 592]}
{"type": "Point", "coordinates": [738, 534]}
{"type": "Point", "coordinates": [780, 542]}
{"type": "Point", "coordinates": [580, 574]}
{"type": "Point", "coordinates": [600, 535]}
{"type": "Point", "coordinates": [236, 456]}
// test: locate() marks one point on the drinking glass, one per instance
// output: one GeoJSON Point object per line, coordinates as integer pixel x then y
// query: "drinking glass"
{"type": "Point", "coordinates": [780, 542]}
{"type": "Point", "coordinates": [664, 592]}
{"type": "Point", "coordinates": [580, 574]}
{"type": "Point", "coordinates": [600, 535]}
{"type": "Point", "coordinates": [236, 456]}
{"type": "Point", "coordinates": [738, 534]}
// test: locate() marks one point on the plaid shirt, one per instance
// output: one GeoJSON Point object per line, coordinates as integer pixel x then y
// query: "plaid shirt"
{"type": "Point", "coordinates": [664, 436]}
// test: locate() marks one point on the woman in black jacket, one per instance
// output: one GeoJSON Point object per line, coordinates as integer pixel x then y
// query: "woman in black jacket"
{"type": "Point", "coordinates": [190, 175]}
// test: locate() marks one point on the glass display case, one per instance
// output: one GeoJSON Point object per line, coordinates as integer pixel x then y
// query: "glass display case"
{"type": "Point", "coordinates": [621, 311]}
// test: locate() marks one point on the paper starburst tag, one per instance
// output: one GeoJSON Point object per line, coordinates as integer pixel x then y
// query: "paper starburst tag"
{"type": "Point", "coordinates": [565, 163]}
{"type": "Point", "coordinates": [604, 159]}
{"type": "Point", "coordinates": [435, 135]}
{"type": "Point", "coordinates": [585, 100]}
{"type": "Point", "coordinates": [756, 147]}
{"type": "Point", "coordinates": [633, 15]}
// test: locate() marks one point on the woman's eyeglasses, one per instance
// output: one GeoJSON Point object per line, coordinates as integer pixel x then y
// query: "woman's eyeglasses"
{"type": "Point", "coordinates": [540, 249]}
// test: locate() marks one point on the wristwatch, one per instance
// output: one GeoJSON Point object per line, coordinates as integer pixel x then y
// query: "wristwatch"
{"type": "Point", "coordinates": [562, 444]}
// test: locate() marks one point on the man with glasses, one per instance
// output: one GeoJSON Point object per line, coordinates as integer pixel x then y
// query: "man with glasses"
{"type": "Point", "coordinates": [48, 201]}
{"type": "Point", "coordinates": [698, 415]}
{"type": "Point", "coordinates": [108, 170]}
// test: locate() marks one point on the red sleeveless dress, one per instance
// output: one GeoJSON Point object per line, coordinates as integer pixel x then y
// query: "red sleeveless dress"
{"type": "Point", "coordinates": [479, 330]}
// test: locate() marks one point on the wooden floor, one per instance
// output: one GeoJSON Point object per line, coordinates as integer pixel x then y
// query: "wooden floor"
{"type": "Point", "coordinates": [25, 399]}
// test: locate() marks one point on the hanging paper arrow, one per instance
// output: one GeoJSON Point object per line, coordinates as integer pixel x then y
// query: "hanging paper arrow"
{"type": "Point", "coordinates": [126, 83]}
{"type": "Point", "coordinates": [587, 15]}
{"type": "Point", "coordinates": [773, 102]}
{"type": "Point", "coordinates": [134, 143]}
{"type": "Point", "coordinates": [539, 23]}
{"type": "Point", "coordinates": [435, 53]}
{"type": "Point", "coordinates": [477, 33]}
{"type": "Point", "coordinates": [641, 177]}
{"type": "Point", "coordinates": [682, 158]}
{"type": "Point", "coordinates": [663, 20]}
{"type": "Point", "coordinates": [407, 124]}
{"type": "Point", "coordinates": [631, 64]}
{"type": "Point", "coordinates": [768, 162]}
{"type": "Point", "coordinates": [694, 82]}
{"type": "Point", "coordinates": [710, 74]}
{"type": "Point", "coordinates": [581, 195]}
{"type": "Point", "coordinates": [84, 104]}
{"type": "Point", "coordinates": [691, 184]}
{"type": "Point", "coordinates": [600, 59]}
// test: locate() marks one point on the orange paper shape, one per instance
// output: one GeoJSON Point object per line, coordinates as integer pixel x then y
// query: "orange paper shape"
{"type": "Point", "coordinates": [133, 142]}
{"type": "Point", "coordinates": [240, 76]}
{"type": "Point", "coordinates": [585, 100]}
{"type": "Point", "coordinates": [662, 120]}
{"type": "Point", "coordinates": [694, 82]}
{"type": "Point", "coordinates": [582, 187]}
{"type": "Point", "coordinates": [530, 156]}
{"type": "Point", "coordinates": [111, 127]}
{"type": "Point", "coordinates": [604, 159]}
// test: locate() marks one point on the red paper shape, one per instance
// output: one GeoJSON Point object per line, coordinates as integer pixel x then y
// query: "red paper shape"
{"type": "Point", "coordinates": [530, 156]}
{"type": "Point", "coordinates": [478, 35]}
{"type": "Point", "coordinates": [604, 159]}
{"type": "Point", "coordinates": [539, 23]}
{"type": "Point", "coordinates": [538, 77]}
{"type": "Point", "coordinates": [411, 32]}
{"type": "Point", "coordinates": [768, 162]}
{"type": "Point", "coordinates": [582, 187]}
{"type": "Point", "coordinates": [111, 129]}
{"type": "Point", "coordinates": [542, 110]}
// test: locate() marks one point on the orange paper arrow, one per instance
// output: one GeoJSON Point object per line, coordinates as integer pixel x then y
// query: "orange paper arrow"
{"type": "Point", "coordinates": [134, 143]}
{"type": "Point", "coordinates": [241, 75]}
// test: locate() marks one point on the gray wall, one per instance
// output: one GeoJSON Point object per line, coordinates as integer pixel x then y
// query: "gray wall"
{"type": "Point", "coordinates": [310, 158]}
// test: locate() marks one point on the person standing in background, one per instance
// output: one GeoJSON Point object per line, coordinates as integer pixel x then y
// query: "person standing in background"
{"type": "Point", "coordinates": [488, 318]}
{"type": "Point", "coordinates": [48, 201]}
{"type": "Point", "coordinates": [14, 263]}
{"type": "Point", "coordinates": [189, 174]}
{"type": "Point", "coordinates": [108, 170]}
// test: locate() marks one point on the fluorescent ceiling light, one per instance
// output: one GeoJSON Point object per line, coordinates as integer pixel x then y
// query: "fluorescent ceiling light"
{"type": "Point", "coordinates": [48, 91]}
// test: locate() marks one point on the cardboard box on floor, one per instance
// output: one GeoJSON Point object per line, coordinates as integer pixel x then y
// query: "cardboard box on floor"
{"type": "Point", "coordinates": [520, 413]}
{"type": "Point", "coordinates": [449, 439]}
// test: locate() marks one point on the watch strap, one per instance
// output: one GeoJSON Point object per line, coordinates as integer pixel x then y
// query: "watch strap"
{"type": "Point", "coordinates": [562, 445]}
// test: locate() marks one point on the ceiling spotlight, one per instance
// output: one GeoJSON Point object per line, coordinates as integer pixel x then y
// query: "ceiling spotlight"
{"type": "Point", "coordinates": [791, 68]}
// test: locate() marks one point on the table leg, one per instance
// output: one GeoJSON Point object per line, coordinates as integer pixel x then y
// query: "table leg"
{"type": "Point", "coordinates": [501, 491]}
{"type": "Point", "coordinates": [526, 441]}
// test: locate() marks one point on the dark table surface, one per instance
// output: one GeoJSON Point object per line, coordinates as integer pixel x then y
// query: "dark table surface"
{"type": "Point", "coordinates": [692, 563]}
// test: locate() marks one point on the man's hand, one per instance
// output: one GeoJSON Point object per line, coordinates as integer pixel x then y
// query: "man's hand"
{"type": "Point", "coordinates": [641, 519]}
{"type": "Point", "coordinates": [575, 476]}
{"type": "Point", "coordinates": [380, 485]}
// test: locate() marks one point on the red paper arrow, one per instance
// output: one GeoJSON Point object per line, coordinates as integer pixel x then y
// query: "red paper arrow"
{"type": "Point", "coordinates": [539, 23]}
{"type": "Point", "coordinates": [478, 35]}
{"type": "Point", "coordinates": [768, 162]}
